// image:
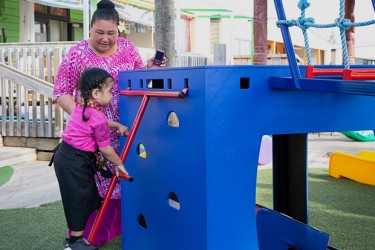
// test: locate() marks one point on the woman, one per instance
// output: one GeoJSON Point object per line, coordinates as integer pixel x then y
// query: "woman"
{"type": "Point", "coordinates": [104, 49]}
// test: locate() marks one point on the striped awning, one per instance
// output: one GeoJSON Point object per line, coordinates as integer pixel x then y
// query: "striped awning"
{"type": "Point", "coordinates": [135, 13]}
{"type": "Point", "coordinates": [66, 4]}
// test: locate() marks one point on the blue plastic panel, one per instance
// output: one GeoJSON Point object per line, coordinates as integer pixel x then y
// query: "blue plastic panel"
{"type": "Point", "coordinates": [210, 160]}
{"type": "Point", "coordinates": [277, 231]}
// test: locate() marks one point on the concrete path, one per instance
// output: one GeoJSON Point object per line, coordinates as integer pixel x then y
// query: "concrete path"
{"type": "Point", "coordinates": [34, 183]}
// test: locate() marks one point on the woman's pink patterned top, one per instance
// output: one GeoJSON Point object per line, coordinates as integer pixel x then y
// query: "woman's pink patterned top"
{"type": "Point", "coordinates": [80, 57]}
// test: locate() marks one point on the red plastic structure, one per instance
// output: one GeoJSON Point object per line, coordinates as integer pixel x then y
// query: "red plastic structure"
{"type": "Point", "coordinates": [347, 74]}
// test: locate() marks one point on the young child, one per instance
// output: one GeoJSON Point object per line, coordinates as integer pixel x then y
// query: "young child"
{"type": "Point", "coordinates": [75, 161]}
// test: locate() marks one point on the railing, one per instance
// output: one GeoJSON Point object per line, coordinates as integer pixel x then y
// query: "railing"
{"type": "Point", "coordinates": [27, 72]}
{"type": "Point", "coordinates": [272, 59]}
{"type": "Point", "coordinates": [191, 59]}
{"type": "Point", "coordinates": [22, 114]}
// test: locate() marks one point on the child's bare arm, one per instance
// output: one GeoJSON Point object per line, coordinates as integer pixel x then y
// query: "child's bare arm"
{"type": "Point", "coordinates": [121, 129]}
{"type": "Point", "coordinates": [109, 153]}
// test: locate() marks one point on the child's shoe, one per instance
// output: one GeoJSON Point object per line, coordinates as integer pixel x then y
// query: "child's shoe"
{"type": "Point", "coordinates": [80, 244]}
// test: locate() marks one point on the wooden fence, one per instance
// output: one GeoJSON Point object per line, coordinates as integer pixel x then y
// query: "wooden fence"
{"type": "Point", "coordinates": [26, 78]}
{"type": "Point", "coordinates": [27, 72]}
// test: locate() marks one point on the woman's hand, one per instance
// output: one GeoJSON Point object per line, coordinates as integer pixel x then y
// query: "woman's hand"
{"type": "Point", "coordinates": [150, 63]}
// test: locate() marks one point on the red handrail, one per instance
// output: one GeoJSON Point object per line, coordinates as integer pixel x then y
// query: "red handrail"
{"type": "Point", "coordinates": [347, 74]}
{"type": "Point", "coordinates": [146, 97]}
{"type": "Point", "coordinates": [129, 92]}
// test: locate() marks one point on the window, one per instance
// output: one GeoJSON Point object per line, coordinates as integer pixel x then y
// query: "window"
{"type": "Point", "coordinates": [52, 12]}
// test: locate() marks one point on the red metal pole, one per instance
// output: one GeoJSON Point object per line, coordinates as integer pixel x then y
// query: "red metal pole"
{"type": "Point", "coordinates": [103, 207]}
{"type": "Point", "coordinates": [108, 195]}
{"type": "Point", "coordinates": [124, 154]}
{"type": "Point", "coordinates": [105, 203]}
{"type": "Point", "coordinates": [134, 128]}
{"type": "Point", "coordinates": [129, 92]}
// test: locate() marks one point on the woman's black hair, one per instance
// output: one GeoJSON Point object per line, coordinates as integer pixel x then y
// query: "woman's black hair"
{"type": "Point", "coordinates": [91, 78]}
{"type": "Point", "coordinates": [105, 11]}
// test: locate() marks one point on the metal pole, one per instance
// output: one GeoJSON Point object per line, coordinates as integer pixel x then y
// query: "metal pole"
{"type": "Point", "coordinates": [86, 18]}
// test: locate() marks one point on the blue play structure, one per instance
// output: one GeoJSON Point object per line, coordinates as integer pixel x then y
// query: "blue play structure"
{"type": "Point", "coordinates": [208, 164]}
{"type": "Point", "coordinates": [195, 188]}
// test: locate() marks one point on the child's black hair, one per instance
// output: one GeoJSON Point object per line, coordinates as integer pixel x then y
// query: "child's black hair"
{"type": "Point", "coordinates": [91, 78]}
{"type": "Point", "coordinates": [105, 11]}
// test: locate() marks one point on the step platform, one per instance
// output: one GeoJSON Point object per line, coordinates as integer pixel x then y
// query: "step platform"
{"type": "Point", "coordinates": [278, 231]}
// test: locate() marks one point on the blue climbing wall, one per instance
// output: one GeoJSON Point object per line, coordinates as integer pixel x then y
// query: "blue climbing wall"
{"type": "Point", "coordinates": [210, 161]}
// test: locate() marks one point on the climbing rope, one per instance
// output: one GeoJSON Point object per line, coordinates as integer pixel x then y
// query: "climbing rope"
{"type": "Point", "coordinates": [342, 23]}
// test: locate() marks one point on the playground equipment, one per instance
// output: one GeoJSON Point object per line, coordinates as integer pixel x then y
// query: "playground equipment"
{"type": "Point", "coordinates": [364, 136]}
{"type": "Point", "coordinates": [127, 146]}
{"type": "Point", "coordinates": [360, 168]}
{"type": "Point", "coordinates": [265, 152]}
{"type": "Point", "coordinates": [198, 181]}
{"type": "Point", "coordinates": [276, 231]}
{"type": "Point", "coordinates": [196, 187]}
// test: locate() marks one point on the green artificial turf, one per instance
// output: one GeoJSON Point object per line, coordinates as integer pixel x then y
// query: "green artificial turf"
{"type": "Point", "coordinates": [42, 228]}
{"type": "Point", "coordinates": [340, 207]}
{"type": "Point", "coordinates": [5, 174]}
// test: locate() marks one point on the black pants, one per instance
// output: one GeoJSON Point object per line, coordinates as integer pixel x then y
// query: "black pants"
{"type": "Point", "coordinates": [75, 170]}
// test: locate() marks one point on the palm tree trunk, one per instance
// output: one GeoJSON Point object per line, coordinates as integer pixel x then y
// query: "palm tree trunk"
{"type": "Point", "coordinates": [349, 33]}
{"type": "Point", "coordinates": [260, 32]}
{"type": "Point", "coordinates": [165, 29]}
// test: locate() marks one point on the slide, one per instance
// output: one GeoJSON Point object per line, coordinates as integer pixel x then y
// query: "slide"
{"type": "Point", "coordinates": [360, 168]}
{"type": "Point", "coordinates": [365, 135]}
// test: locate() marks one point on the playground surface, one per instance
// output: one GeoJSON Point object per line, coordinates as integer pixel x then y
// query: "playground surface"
{"type": "Point", "coordinates": [34, 183]}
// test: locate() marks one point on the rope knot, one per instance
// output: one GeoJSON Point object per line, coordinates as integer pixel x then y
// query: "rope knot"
{"type": "Point", "coordinates": [303, 4]}
{"type": "Point", "coordinates": [304, 23]}
{"type": "Point", "coordinates": [343, 23]}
